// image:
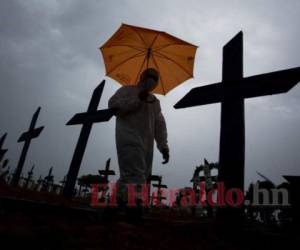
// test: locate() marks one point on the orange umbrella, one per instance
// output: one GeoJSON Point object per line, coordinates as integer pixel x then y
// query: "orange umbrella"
{"type": "Point", "coordinates": [132, 49]}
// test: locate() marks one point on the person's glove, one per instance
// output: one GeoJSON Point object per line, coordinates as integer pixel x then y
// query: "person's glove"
{"type": "Point", "coordinates": [114, 111]}
{"type": "Point", "coordinates": [143, 95]}
{"type": "Point", "coordinates": [166, 155]}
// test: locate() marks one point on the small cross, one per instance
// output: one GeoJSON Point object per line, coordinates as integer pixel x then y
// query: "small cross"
{"type": "Point", "coordinates": [48, 180]}
{"type": "Point", "coordinates": [159, 186]}
{"type": "Point", "coordinates": [29, 177]}
{"type": "Point", "coordinates": [107, 172]}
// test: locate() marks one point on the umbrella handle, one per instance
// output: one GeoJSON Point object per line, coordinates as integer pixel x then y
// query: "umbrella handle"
{"type": "Point", "coordinates": [149, 51]}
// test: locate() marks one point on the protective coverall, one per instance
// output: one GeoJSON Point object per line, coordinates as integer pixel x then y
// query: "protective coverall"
{"type": "Point", "coordinates": [138, 123]}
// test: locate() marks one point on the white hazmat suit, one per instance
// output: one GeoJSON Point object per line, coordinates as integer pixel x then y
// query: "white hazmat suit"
{"type": "Point", "coordinates": [138, 123]}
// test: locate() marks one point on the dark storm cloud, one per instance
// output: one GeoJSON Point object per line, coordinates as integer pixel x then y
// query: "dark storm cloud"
{"type": "Point", "coordinates": [49, 57]}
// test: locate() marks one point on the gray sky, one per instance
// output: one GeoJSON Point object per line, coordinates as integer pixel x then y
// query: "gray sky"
{"type": "Point", "coordinates": [49, 57]}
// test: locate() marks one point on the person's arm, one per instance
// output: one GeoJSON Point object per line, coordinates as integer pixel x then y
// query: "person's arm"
{"type": "Point", "coordinates": [125, 100]}
{"type": "Point", "coordinates": [161, 134]}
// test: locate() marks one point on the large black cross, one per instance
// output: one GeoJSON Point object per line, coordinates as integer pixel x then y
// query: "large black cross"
{"type": "Point", "coordinates": [26, 137]}
{"type": "Point", "coordinates": [2, 150]}
{"type": "Point", "coordinates": [86, 119]}
{"type": "Point", "coordinates": [231, 92]}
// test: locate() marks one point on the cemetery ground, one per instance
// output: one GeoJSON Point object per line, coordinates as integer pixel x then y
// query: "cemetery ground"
{"type": "Point", "coordinates": [40, 220]}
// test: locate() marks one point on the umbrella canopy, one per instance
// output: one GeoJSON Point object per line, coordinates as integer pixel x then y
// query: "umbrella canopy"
{"type": "Point", "coordinates": [133, 49]}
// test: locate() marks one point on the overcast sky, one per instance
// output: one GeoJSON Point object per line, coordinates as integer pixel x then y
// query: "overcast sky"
{"type": "Point", "coordinates": [49, 57]}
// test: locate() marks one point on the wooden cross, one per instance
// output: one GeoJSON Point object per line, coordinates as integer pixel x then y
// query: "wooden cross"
{"type": "Point", "coordinates": [48, 181]}
{"type": "Point", "coordinates": [159, 186]}
{"type": "Point", "coordinates": [29, 177]}
{"type": "Point", "coordinates": [231, 92]}
{"type": "Point", "coordinates": [3, 172]}
{"type": "Point", "coordinates": [87, 120]}
{"type": "Point", "coordinates": [107, 172]}
{"type": "Point", "coordinates": [26, 137]}
{"type": "Point", "coordinates": [207, 178]}
{"type": "Point", "coordinates": [2, 150]}
{"type": "Point", "coordinates": [149, 181]}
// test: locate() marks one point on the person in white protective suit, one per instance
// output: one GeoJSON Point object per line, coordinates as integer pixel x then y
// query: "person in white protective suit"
{"type": "Point", "coordinates": [139, 121]}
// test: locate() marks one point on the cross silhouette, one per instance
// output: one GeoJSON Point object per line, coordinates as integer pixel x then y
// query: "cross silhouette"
{"type": "Point", "coordinates": [87, 120]}
{"type": "Point", "coordinates": [29, 177]}
{"type": "Point", "coordinates": [48, 181]}
{"type": "Point", "coordinates": [207, 178]}
{"type": "Point", "coordinates": [231, 92]}
{"type": "Point", "coordinates": [2, 150]}
{"type": "Point", "coordinates": [159, 187]}
{"type": "Point", "coordinates": [106, 172]}
{"type": "Point", "coordinates": [26, 137]}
